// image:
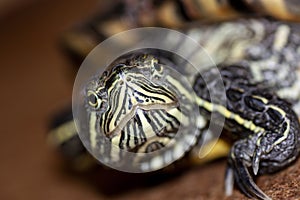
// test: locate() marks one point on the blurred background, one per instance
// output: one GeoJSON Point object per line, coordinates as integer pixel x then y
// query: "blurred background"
{"type": "Point", "coordinates": [34, 85]}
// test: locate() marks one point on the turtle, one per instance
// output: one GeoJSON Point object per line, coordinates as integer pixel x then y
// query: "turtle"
{"type": "Point", "coordinates": [258, 60]}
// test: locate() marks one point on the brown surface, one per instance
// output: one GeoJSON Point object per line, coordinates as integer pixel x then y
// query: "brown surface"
{"type": "Point", "coordinates": [34, 85]}
{"type": "Point", "coordinates": [9, 6]}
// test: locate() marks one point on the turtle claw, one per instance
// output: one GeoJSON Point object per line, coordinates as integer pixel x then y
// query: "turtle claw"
{"type": "Point", "coordinates": [238, 169]}
{"type": "Point", "coordinates": [256, 160]}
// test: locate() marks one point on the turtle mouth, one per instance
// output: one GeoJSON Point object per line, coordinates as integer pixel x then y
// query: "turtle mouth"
{"type": "Point", "coordinates": [125, 120]}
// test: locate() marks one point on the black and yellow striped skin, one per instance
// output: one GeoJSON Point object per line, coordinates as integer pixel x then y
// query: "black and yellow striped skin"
{"type": "Point", "coordinates": [267, 128]}
{"type": "Point", "coordinates": [258, 44]}
{"type": "Point", "coordinates": [140, 107]}
{"type": "Point", "coordinates": [64, 135]}
{"type": "Point", "coordinates": [269, 43]}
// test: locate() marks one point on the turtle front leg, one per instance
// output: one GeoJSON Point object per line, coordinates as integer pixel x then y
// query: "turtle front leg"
{"type": "Point", "coordinates": [239, 161]}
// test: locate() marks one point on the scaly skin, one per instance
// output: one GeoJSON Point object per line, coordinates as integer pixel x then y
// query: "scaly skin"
{"type": "Point", "coordinates": [266, 127]}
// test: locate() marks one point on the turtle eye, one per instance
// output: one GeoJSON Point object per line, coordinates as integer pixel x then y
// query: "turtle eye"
{"type": "Point", "coordinates": [93, 99]}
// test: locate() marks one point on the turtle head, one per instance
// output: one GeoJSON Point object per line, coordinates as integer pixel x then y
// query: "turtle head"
{"type": "Point", "coordinates": [132, 99]}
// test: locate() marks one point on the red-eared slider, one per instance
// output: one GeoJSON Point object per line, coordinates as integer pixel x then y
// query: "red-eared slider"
{"type": "Point", "coordinates": [258, 60]}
